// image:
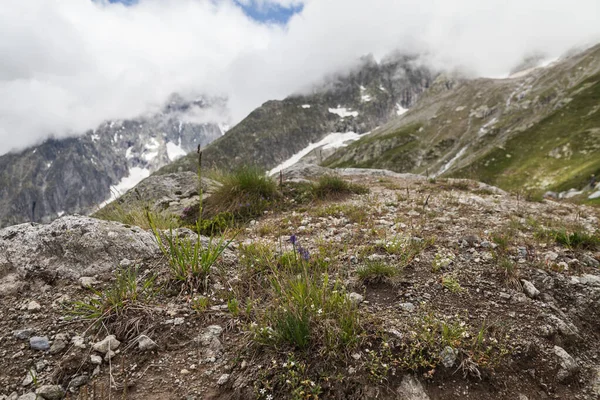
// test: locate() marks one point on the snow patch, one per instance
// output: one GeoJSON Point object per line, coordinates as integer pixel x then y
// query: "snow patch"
{"type": "Point", "coordinates": [128, 152]}
{"type": "Point", "coordinates": [116, 137]}
{"type": "Point", "coordinates": [150, 155]}
{"type": "Point", "coordinates": [153, 144]}
{"type": "Point", "coordinates": [343, 112]}
{"type": "Point", "coordinates": [95, 137]}
{"type": "Point", "coordinates": [175, 151]}
{"type": "Point", "coordinates": [450, 163]}
{"type": "Point", "coordinates": [364, 97]}
{"type": "Point", "coordinates": [60, 213]}
{"type": "Point", "coordinates": [331, 141]}
{"type": "Point", "coordinates": [136, 175]}
{"type": "Point", "coordinates": [305, 105]}
{"type": "Point", "coordinates": [400, 110]}
{"type": "Point", "coordinates": [595, 195]}
{"type": "Point", "coordinates": [485, 128]}
{"type": "Point", "coordinates": [49, 164]}
{"type": "Point", "coordinates": [223, 128]}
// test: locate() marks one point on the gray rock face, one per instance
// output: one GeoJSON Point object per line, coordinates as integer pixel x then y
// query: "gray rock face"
{"type": "Point", "coordinates": [70, 247]}
{"type": "Point", "coordinates": [411, 389]}
{"type": "Point", "coordinates": [28, 396]}
{"type": "Point", "coordinates": [74, 175]}
{"type": "Point", "coordinates": [356, 298]}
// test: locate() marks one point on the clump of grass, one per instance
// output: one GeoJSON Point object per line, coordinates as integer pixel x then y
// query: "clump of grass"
{"type": "Point", "coordinates": [245, 193]}
{"type": "Point", "coordinates": [451, 283]}
{"type": "Point", "coordinates": [136, 215]}
{"type": "Point", "coordinates": [217, 224]}
{"type": "Point", "coordinates": [510, 271]}
{"type": "Point", "coordinates": [128, 291]}
{"type": "Point", "coordinates": [376, 271]}
{"type": "Point", "coordinates": [307, 310]}
{"type": "Point", "coordinates": [190, 260]}
{"type": "Point", "coordinates": [331, 186]}
{"type": "Point", "coordinates": [576, 239]}
{"type": "Point", "coordinates": [354, 213]}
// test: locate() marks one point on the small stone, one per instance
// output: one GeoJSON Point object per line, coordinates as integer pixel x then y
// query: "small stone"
{"type": "Point", "coordinates": [354, 260]}
{"type": "Point", "coordinates": [51, 392]}
{"type": "Point", "coordinates": [40, 343]}
{"type": "Point", "coordinates": [23, 334]}
{"type": "Point", "coordinates": [448, 356]}
{"type": "Point", "coordinates": [223, 379]}
{"type": "Point", "coordinates": [504, 295]}
{"type": "Point", "coordinates": [95, 359]}
{"type": "Point", "coordinates": [41, 365]}
{"type": "Point", "coordinates": [568, 365]}
{"type": "Point", "coordinates": [88, 281]}
{"type": "Point", "coordinates": [78, 342]}
{"type": "Point", "coordinates": [28, 396]}
{"type": "Point", "coordinates": [29, 378]}
{"type": "Point", "coordinates": [78, 381]}
{"type": "Point", "coordinates": [408, 307]}
{"type": "Point", "coordinates": [550, 257]}
{"type": "Point", "coordinates": [109, 355]}
{"type": "Point", "coordinates": [522, 252]}
{"type": "Point", "coordinates": [33, 306]}
{"type": "Point", "coordinates": [356, 298]}
{"type": "Point", "coordinates": [590, 261]}
{"type": "Point", "coordinates": [109, 343]}
{"type": "Point", "coordinates": [184, 372]}
{"type": "Point", "coordinates": [146, 344]}
{"type": "Point", "coordinates": [529, 289]}
{"type": "Point", "coordinates": [58, 346]}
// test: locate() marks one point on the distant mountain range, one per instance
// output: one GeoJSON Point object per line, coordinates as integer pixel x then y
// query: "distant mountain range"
{"type": "Point", "coordinates": [76, 175]}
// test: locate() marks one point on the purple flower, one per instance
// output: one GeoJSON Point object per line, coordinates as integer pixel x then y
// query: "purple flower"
{"type": "Point", "coordinates": [293, 239]}
{"type": "Point", "coordinates": [304, 253]}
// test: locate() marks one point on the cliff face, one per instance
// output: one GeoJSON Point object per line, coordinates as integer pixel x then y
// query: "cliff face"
{"type": "Point", "coordinates": [75, 175]}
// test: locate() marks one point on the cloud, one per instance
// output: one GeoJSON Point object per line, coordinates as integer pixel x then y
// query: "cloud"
{"type": "Point", "coordinates": [68, 65]}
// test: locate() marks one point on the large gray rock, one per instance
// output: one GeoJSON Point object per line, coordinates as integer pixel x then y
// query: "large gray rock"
{"type": "Point", "coordinates": [70, 247]}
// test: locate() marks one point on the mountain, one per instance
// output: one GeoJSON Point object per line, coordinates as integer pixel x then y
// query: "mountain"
{"type": "Point", "coordinates": [75, 175]}
{"type": "Point", "coordinates": [357, 101]}
{"type": "Point", "coordinates": [537, 129]}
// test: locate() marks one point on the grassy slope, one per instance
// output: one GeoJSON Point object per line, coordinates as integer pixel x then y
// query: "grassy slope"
{"type": "Point", "coordinates": [573, 132]}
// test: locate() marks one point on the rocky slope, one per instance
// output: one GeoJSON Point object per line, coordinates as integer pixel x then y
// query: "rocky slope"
{"type": "Point", "coordinates": [356, 102]}
{"type": "Point", "coordinates": [75, 175]}
{"type": "Point", "coordinates": [480, 301]}
{"type": "Point", "coordinates": [538, 129]}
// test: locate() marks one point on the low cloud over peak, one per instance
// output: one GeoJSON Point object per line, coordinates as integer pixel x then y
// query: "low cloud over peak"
{"type": "Point", "coordinates": [68, 65]}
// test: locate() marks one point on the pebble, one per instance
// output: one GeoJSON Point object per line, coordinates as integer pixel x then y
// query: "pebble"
{"type": "Point", "coordinates": [40, 343]}
{"type": "Point", "coordinates": [109, 343]}
{"type": "Point", "coordinates": [78, 381]}
{"type": "Point", "coordinates": [33, 306]}
{"type": "Point", "coordinates": [223, 379]}
{"type": "Point", "coordinates": [28, 396]}
{"type": "Point", "coordinates": [23, 334]}
{"type": "Point", "coordinates": [529, 289]}
{"type": "Point", "coordinates": [51, 392]}
{"type": "Point", "coordinates": [29, 378]}
{"type": "Point", "coordinates": [356, 298]}
{"type": "Point", "coordinates": [590, 261]}
{"type": "Point", "coordinates": [409, 307]}
{"type": "Point", "coordinates": [95, 359]}
{"type": "Point", "coordinates": [146, 344]}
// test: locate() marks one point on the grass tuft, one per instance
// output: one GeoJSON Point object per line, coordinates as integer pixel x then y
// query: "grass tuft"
{"type": "Point", "coordinates": [376, 271]}
{"type": "Point", "coordinates": [334, 187]}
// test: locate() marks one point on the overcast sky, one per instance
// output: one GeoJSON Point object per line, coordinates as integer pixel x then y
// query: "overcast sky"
{"type": "Point", "coordinates": [68, 65]}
